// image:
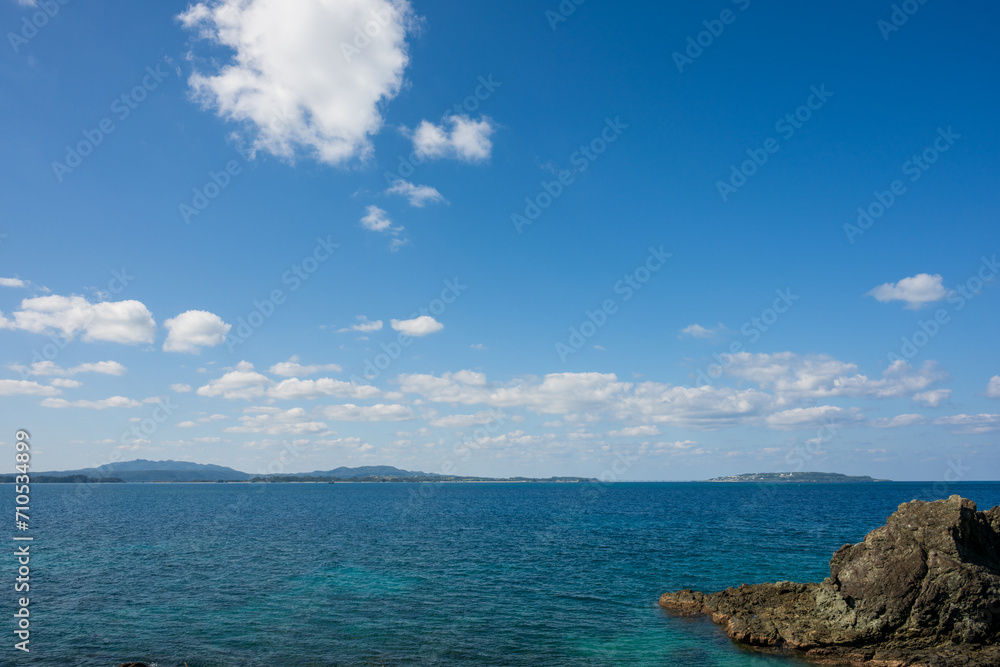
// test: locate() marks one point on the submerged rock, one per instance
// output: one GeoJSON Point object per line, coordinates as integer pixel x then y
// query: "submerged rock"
{"type": "Point", "coordinates": [922, 590]}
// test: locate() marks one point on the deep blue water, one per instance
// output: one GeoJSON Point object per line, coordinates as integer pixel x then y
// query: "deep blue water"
{"type": "Point", "coordinates": [401, 574]}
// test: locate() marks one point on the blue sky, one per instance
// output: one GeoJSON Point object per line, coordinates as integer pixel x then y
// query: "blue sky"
{"type": "Point", "coordinates": [618, 242]}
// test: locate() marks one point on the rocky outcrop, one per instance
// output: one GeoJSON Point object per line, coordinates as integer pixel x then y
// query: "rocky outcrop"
{"type": "Point", "coordinates": [921, 591]}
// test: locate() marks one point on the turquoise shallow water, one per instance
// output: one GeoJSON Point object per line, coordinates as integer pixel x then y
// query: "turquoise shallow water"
{"type": "Point", "coordinates": [401, 574]}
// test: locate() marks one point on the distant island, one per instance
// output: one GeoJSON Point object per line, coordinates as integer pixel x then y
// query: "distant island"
{"type": "Point", "coordinates": [62, 479]}
{"type": "Point", "coordinates": [798, 477]}
{"type": "Point", "coordinates": [141, 470]}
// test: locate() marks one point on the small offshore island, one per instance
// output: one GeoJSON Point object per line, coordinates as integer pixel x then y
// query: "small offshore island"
{"type": "Point", "coordinates": [798, 477]}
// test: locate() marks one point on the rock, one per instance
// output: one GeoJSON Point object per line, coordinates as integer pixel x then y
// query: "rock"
{"type": "Point", "coordinates": [921, 591]}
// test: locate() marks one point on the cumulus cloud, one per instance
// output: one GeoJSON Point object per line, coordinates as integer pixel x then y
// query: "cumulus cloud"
{"type": "Point", "coordinates": [458, 137]}
{"type": "Point", "coordinates": [372, 413]}
{"type": "Point", "coordinates": [103, 404]}
{"type": "Point", "coordinates": [823, 415]}
{"type": "Point", "coordinates": [970, 424]}
{"type": "Point", "coordinates": [587, 396]}
{"type": "Point", "coordinates": [418, 195]}
{"type": "Point", "coordinates": [296, 389]}
{"type": "Point", "coordinates": [243, 382]}
{"type": "Point", "coordinates": [899, 421]}
{"type": "Point", "coordinates": [272, 421]}
{"type": "Point", "coordinates": [377, 220]}
{"type": "Point", "coordinates": [933, 399]}
{"type": "Point", "coordinates": [128, 322]}
{"type": "Point", "coordinates": [292, 368]}
{"type": "Point", "coordinates": [993, 388]}
{"type": "Point", "coordinates": [794, 377]}
{"type": "Point", "coordinates": [419, 326]}
{"type": "Point", "coordinates": [916, 291]}
{"type": "Point", "coordinates": [12, 282]}
{"type": "Point", "coordinates": [25, 388]}
{"type": "Point", "coordinates": [704, 333]}
{"type": "Point", "coordinates": [635, 431]}
{"type": "Point", "coordinates": [297, 80]}
{"type": "Point", "coordinates": [66, 383]}
{"type": "Point", "coordinates": [364, 325]}
{"type": "Point", "coordinates": [468, 421]}
{"type": "Point", "coordinates": [51, 369]}
{"type": "Point", "coordinates": [180, 388]}
{"type": "Point", "coordinates": [193, 330]}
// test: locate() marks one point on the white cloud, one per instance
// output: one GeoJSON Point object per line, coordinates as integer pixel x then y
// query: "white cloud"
{"type": "Point", "coordinates": [933, 399]}
{"type": "Point", "coordinates": [113, 402]}
{"type": "Point", "coordinates": [50, 368]}
{"type": "Point", "coordinates": [25, 388]}
{"type": "Point", "coordinates": [292, 368]}
{"type": "Point", "coordinates": [458, 137]}
{"type": "Point", "coordinates": [296, 389]}
{"type": "Point", "coordinates": [372, 413]}
{"type": "Point", "coordinates": [187, 424]}
{"type": "Point", "coordinates": [898, 421]}
{"type": "Point", "coordinates": [801, 418]}
{"type": "Point", "coordinates": [704, 333]}
{"type": "Point", "coordinates": [418, 195]}
{"type": "Point", "coordinates": [467, 421]}
{"type": "Point", "coordinates": [377, 220]}
{"type": "Point", "coordinates": [595, 393]}
{"type": "Point", "coordinates": [181, 388]}
{"type": "Point", "coordinates": [794, 377]}
{"type": "Point", "coordinates": [243, 382]}
{"type": "Point", "coordinates": [296, 79]}
{"type": "Point", "coordinates": [65, 383]}
{"type": "Point", "coordinates": [419, 326]}
{"type": "Point", "coordinates": [12, 282]}
{"type": "Point", "coordinates": [993, 388]}
{"type": "Point", "coordinates": [272, 421]}
{"type": "Point", "coordinates": [128, 322]}
{"type": "Point", "coordinates": [916, 291]}
{"type": "Point", "coordinates": [970, 424]}
{"type": "Point", "coordinates": [364, 325]}
{"type": "Point", "coordinates": [635, 431]}
{"type": "Point", "coordinates": [193, 330]}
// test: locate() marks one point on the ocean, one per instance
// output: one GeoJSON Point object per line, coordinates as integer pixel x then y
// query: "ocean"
{"type": "Point", "coordinates": [419, 574]}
